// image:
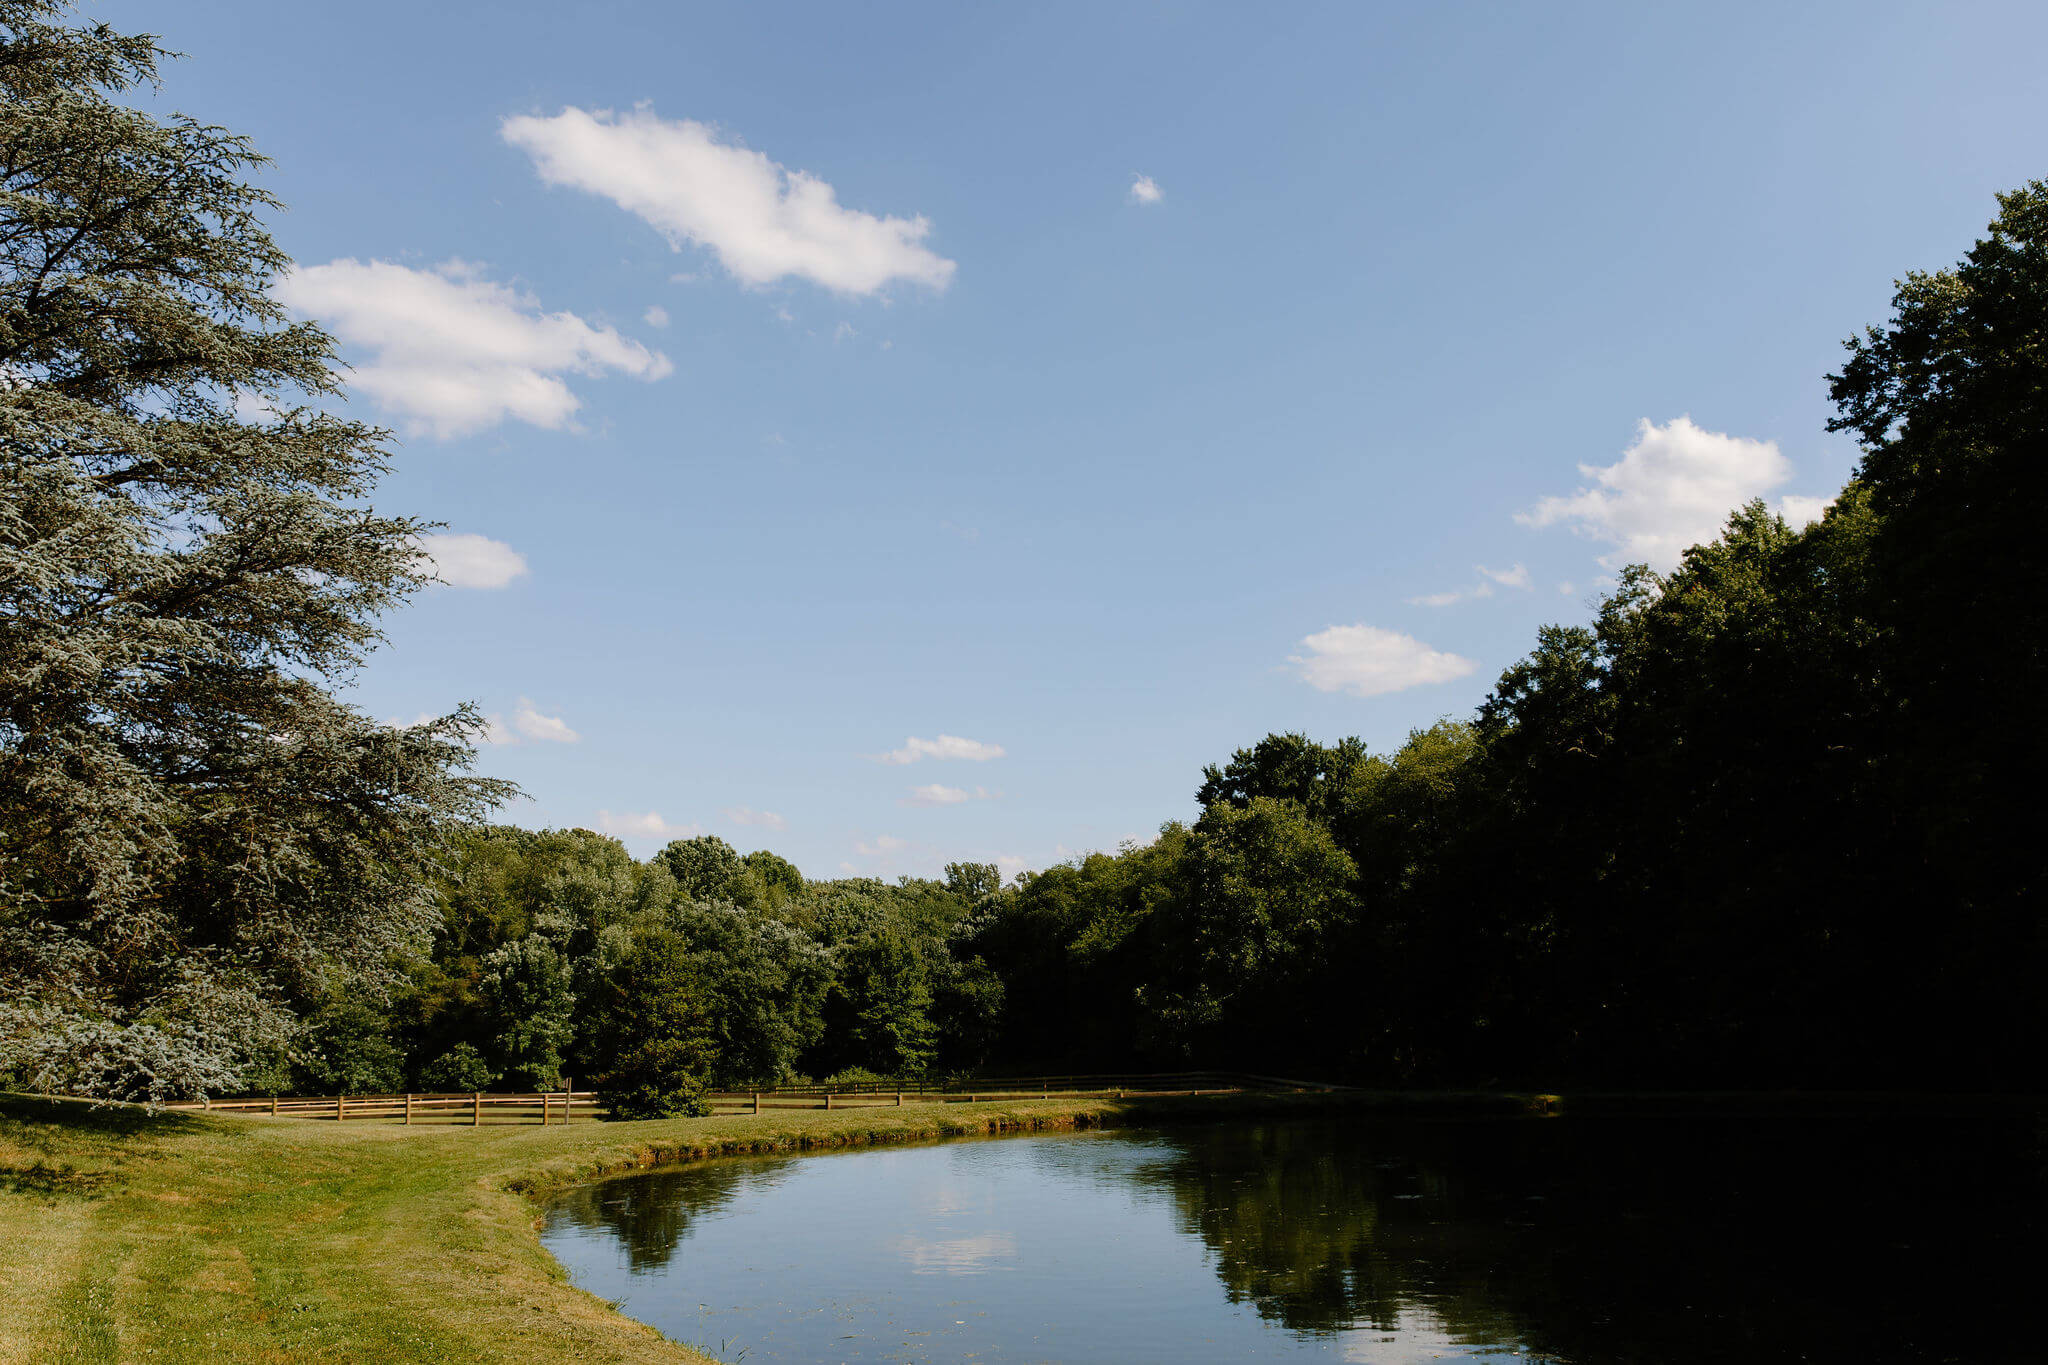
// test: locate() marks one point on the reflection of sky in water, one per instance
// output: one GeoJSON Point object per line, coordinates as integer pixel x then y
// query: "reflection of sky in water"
{"type": "Point", "coordinates": [1598, 1243]}
{"type": "Point", "coordinates": [957, 1255]}
{"type": "Point", "coordinates": [1066, 1247]}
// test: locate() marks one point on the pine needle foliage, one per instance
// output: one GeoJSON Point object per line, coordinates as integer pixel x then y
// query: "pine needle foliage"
{"type": "Point", "coordinates": [196, 835]}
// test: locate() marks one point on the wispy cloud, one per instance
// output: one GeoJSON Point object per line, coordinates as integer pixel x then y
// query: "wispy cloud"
{"type": "Point", "coordinates": [454, 353]}
{"type": "Point", "coordinates": [467, 560]}
{"type": "Point", "coordinates": [1489, 580]}
{"type": "Point", "coordinates": [945, 746]}
{"type": "Point", "coordinates": [747, 815]}
{"type": "Point", "coordinates": [1145, 190]}
{"type": "Point", "coordinates": [529, 723]}
{"type": "Point", "coordinates": [937, 794]}
{"type": "Point", "coordinates": [655, 316]}
{"type": "Point", "coordinates": [1366, 661]}
{"type": "Point", "coordinates": [763, 221]}
{"type": "Point", "coordinates": [628, 824]}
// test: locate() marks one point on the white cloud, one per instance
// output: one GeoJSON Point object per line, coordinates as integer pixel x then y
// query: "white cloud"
{"type": "Point", "coordinates": [254, 408]}
{"type": "Point", "coordinates": [644, 825]}
{"type": "Point", "coordinates": [529, 723]}
{"type": "Point", "coordinates": [945, 746]}
{"type": "Point", "coordinates": [496, 732]}
{"type": "Point", "coordinates": [936, 794]}
{"type": "Point", "coordinates": [467, 560]}
{"type": "Point", "coordinates": [883, 843]}
{"type": "Point", "coordinates": [655, 316]}
{"type": "Point", "coordinates": [1673, 488]}
{"type": "Point", "coordinates": [1517, 577]}
{"type": "Point", "coordinates": [1367, 661]}
{"type": "Point", "coordinates": [843, 332]}
{"type": "Point", "coordinates": [1799, 511]}
{"type": "Point", "coordinates": [763, 221]}
{"type": "Point", "coordinates": [455, 353]}
{"type": "Point", "coordinates": [747, 815]}
{"type": "Point", "coordinates": [1145, 190]}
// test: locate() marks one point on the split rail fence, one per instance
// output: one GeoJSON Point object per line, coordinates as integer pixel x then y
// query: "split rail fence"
{"type": "Point", "coordinates": [565, 1106]}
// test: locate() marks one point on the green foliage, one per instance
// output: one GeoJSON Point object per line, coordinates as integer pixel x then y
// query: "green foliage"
{"type": "Point", "coordinates": [527, 1001]}
{"type": "Point", "coordinates": [343, 1051]}
{"type": "Point", "coordinates": [778, 878]}
{"type": "Point", "coordinates": [650, 1031]}
{"type": "Point", "coordinates": [1259, 890]}
{"type": "Point", "coordinates": [973, 882]}
{"type": "Point", "coordinates": [879, 1012]}
{"type": "Point", "coordinates": [196, 832]}
{"type": "Point", "coordinates": [460, 1068]}
{"type": "Point", "coordinates": [765, 982]}
{"type": "Point", "coordinates": [705, 868]}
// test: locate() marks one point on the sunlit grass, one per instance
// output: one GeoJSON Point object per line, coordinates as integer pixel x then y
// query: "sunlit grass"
{"type": "Point", "coordinates": [185, 1237]}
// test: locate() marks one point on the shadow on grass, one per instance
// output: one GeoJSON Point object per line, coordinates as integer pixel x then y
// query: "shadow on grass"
{"type": "Point", "coordinates": [45, 1179]}
{"type": "Point", "coordinates": [84, 1118]}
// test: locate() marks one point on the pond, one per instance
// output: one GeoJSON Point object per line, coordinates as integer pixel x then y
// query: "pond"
{"type": "Point", "coordinates": [1613, 1240]}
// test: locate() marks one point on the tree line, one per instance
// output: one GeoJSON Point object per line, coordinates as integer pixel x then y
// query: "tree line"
{"type": "Point", "coordinates": [1770, 819]}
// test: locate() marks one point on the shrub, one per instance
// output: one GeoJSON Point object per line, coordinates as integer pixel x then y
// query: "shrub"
{"type": "Point", "coordinates": [460, 1068]}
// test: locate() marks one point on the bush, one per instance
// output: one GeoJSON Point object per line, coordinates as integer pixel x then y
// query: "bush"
{"type": "Point", "coordinates": [343, 1050]}
{"type": "Point", "coordinates": [649, 1032]}
{"type": "Point", "coordinates": [460, 1068]}
{"type": "Point", "coordinates": [858, 1075]}
{"type": "Point", "coordinates": [660, 1079]}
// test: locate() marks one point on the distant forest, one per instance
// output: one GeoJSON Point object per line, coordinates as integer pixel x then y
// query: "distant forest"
{"type": "Point", "coordinates": [1773, 819]}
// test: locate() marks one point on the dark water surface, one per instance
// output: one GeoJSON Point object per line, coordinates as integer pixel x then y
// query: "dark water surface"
{"type": "Point", "coordinates": [1581, 1240]}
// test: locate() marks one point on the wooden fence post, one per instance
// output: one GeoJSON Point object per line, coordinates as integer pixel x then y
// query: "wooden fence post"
{"type": "Point", "coordinates": [568, 1096]}
{"type": "Point", "coordinates": [899, 1099]}
{"type": "Point", "coordinates": [757, 1104]}
{"type": "Point", "coordinates": [828, 1099]}
{"type": "Point", "coordinates": [476, 1109]}
{"type": "Point", "coordinates": [408, 1107]}
{"type": "Point", "coordinates": [273, 1104]}
{"type": "Point", "coordinates": [543, 1108]}
{"type": "Point", "coordinates": [338, 1114]}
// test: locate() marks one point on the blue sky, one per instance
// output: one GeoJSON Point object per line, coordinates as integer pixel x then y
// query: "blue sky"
{"type": "Point", "coordinates": [864, 390]}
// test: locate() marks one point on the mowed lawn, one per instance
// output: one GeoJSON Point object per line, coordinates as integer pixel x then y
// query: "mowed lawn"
{"type": "Point", "coordinates": [190, 1237]}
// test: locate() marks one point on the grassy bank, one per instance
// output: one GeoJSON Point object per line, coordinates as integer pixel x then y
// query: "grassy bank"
{"type": "Point", "coordinates": [125, 1236]}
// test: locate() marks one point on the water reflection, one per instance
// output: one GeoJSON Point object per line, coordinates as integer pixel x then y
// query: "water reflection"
{"type": "Point", "coordinates": [1590, 1242]}
{"type": "Point", "coordinates": [648, 1216]}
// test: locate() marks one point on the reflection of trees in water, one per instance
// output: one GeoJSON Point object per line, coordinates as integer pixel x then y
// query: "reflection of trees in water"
{"type": "Point", "coordinates": [650, 1214]}
{"type": "Point", "coordinates": [1626, 1241]}
{"type": "Point", "coordinates": [1597, 1242]}
{"type": "Point", "coordinates": [1315, 1226]}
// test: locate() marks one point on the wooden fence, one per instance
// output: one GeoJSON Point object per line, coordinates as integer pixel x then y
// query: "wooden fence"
{"type": "Point", "coordinates": [475, 1108]}
{"type": "Point", "coordinates": [564, 1106]}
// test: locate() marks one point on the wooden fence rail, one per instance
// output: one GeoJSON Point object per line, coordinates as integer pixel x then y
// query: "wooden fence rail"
{"type": "Point", "coordinates": [474, 1107]}
{"type": "Point", "coordinates": [477, 1108]}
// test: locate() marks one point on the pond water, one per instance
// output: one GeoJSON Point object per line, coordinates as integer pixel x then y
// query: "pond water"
{"type": "Point", "coordinates": [1622, 1240]}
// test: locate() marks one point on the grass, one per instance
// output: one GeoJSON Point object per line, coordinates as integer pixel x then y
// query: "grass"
{"type": "Point", "coordinates": [178, 1237]}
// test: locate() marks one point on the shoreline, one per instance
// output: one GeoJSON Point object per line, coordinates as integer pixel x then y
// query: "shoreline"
{"type": "Point", "coordinates": [248, 1237]}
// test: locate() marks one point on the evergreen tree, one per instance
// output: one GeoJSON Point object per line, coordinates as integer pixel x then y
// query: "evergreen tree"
{"type": "Point", "coordinates": [194, 833]}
